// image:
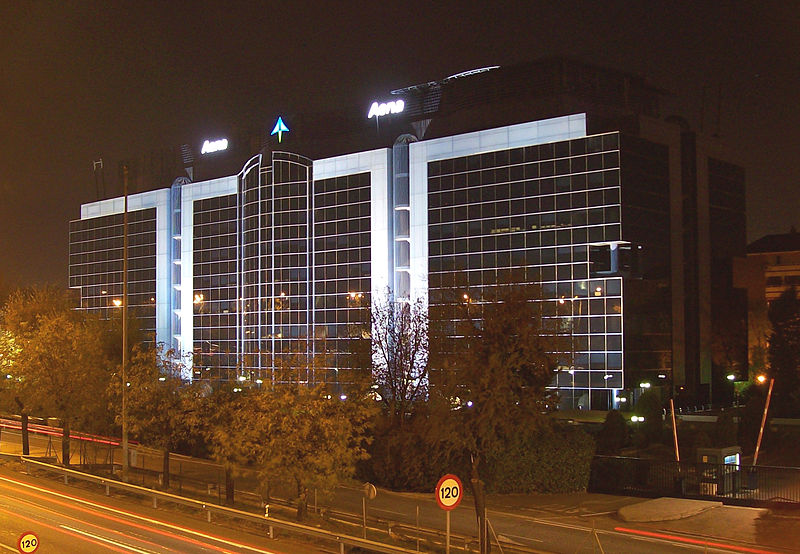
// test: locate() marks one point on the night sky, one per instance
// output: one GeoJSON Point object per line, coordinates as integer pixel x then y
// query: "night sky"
{"type": "Point", "coordinates": [82, 80]}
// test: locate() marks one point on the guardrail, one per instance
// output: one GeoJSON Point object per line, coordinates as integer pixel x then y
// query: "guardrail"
{"type": "Point", "coordinates": [312, 532]}
{"type": "Point", "coordinates": [410, 533]}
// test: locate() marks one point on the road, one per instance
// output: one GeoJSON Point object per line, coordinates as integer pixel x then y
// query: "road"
{"type": "Point", "coordinates": [573, 531]}
{"type": "Point", "coordinates": [67, 519]}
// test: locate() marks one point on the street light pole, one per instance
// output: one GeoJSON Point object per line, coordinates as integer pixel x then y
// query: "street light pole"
{"type": "Point", "coordinates": [125, 468]}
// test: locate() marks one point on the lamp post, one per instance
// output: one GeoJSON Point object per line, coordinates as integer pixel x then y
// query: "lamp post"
{"type": "Point", "coordinates": [125, 468]}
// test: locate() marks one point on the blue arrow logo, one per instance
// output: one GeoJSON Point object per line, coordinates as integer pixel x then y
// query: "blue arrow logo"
{"type": "Point", "coordinates": [279, 129]}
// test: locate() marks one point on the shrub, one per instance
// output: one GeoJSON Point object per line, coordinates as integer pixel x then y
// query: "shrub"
{"type": "Point", "coordinates": [724, 430]}
{"type": "Point", "coordinates": [553, 458]}
{"type": "Point", "coordinates": [613, 435]}
{"type": "Point", "coordinates": [649, 406]}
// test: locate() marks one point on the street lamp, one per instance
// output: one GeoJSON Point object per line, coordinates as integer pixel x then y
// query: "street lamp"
{"type": "Point", "coordinates": [125, 467]}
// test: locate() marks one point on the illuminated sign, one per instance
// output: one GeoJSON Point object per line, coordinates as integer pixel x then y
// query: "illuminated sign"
{"type": "Point", "coordinates": [210, 146]}
{"type": "Point", "coordinates": [385, 108]}
{"type": "Point", "coordinates": [279, 129]}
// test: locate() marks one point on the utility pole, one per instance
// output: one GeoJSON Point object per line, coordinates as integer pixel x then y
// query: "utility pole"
{"type": "Point", "coordinates": [125, 468]}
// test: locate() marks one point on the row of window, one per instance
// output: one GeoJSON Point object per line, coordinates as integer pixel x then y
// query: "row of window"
{"type": "Point", "coordinates": [540, 152]}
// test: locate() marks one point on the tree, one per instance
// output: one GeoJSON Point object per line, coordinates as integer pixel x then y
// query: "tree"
{"type": "Point", "coordinates": [302, 435]}
{"type": "Point", "coordinates": [399, 359]}
{"type": "Point", "coordinates": [613, 434]}
{"type": "Point", "coordinates": [784, 353]}
{"type": "Point", "coordinates": [495, 369]}
{"type": "Point", "coordinates": [62, 367]}
{"type": "Point", "coordinates": [156, 403]}
{"type": "Point", "coordinates": [649, 407]}
{"type": "Point", "coordinates": [214, 416]}
{"type": "Point", "coordinates": [65, 373]}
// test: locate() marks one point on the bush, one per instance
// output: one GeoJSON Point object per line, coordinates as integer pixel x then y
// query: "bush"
{"type": "Point", "coordinates": [401, 460]}
{"type": "Point", "coordinates": [613, 435]}
{"type": "Point", "coordinates": [725, 432]}
{"type": "Point", "coordinates": [553, 458]}
{"type": "Point", "coordinates": [649, 406]}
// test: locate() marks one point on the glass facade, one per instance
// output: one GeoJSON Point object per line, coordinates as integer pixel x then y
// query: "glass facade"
{"type": "Point", "coordinates": [95, 265]}
{"type": "Point", "coordinates": [280, 260]}
{"type": "Point", "coordinates": [215, 270]}
{"type": "Point", "coordinates": [549, 215]}
{"type": "Point", "coordinates": [342, 265]}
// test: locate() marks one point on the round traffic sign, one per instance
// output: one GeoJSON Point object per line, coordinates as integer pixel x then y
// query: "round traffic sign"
{"type": "Point", "coordinates": [449, 492]}
{"type": "Point", "coordinates": [28, 542]}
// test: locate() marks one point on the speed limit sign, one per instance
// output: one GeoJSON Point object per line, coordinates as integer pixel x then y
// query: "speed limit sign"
{"type": "Point", "coordinates": [449, 492]}
{"type": "Point", "coordinates": [28, 543]}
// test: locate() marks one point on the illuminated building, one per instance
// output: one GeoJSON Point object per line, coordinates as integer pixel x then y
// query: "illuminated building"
{"type": "Point", "coordinates": [624, 219]}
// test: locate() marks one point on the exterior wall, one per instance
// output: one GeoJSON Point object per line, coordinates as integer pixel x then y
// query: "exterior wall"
{"type": "Point", "coordinates": [96, 212]}
{"type": "Point", "coordinates": [538, 199]}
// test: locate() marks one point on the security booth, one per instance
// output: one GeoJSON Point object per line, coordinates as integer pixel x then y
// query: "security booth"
{"type": "Point", "coordinates": [720, 473]}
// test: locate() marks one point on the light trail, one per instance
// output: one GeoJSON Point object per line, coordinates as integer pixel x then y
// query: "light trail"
{"type": "Point", "coordinates": [19, 501]}
{"type": "Point", "coordinates": [151, 521]}
{"type": "Point", "coordinates": [698, 542]}
{"type": "Point", "coordinates": [60, 530]}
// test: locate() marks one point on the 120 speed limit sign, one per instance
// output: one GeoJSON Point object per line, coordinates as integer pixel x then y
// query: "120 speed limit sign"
{"type": "Point", "coordinates": [28, 543]}
{"type": "Point", "coordinates": [449, 492]}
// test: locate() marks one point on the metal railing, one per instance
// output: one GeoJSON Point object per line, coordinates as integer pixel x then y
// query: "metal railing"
{"type": "Point", "coordinates": [210, 487]}
{"type": "Point", "coordinates": [728, 483]}
{"type": "Point", "coordinates": [270, 522]}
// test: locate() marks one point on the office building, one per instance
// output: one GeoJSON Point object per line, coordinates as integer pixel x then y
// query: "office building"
{"type": "Point", "coordinates": [570, 180]}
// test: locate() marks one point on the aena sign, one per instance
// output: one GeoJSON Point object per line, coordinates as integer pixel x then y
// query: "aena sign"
{"type": "Point", "coordinates": [385, 108]}
{"type": "Point", "coordinates": [210, 146]}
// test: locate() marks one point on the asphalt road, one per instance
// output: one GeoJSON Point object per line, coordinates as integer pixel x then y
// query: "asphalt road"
{"type": "Point", "coordinates": [68, 519]}
{"type": "Point", "coordinates": [545, 530]}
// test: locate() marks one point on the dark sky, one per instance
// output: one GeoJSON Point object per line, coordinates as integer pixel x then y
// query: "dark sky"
{"type": "Point", "coordinates": [82, 80]}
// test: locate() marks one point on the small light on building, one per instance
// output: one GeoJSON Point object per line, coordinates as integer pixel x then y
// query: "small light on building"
{"type": "Point", "coordinates": [117, 302]}
{"type": "Point", "coordinates": [259, 381]}
{"type": "Point", "coordinates": [662, 375]}
{"type": "Point", "coordinates": [644, 385]}
{"type": "Point", "coordinates": [730, 377]}
{"type": "Point", "coordinates": [242, 378]}
{"type": "Point", "coordinates": [343, 397]}
{"type": "Point", "coordinates": [162, 378]}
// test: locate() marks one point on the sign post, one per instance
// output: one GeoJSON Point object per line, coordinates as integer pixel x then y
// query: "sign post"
{"type": "Point", "coordinates": [449, 491]}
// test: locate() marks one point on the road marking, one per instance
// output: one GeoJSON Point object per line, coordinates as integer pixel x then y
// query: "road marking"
{"type": "Point", "coordinates": [502, 535]}
{"type": "Point", "coordinates": [60, 515]}
{"type": "Point", "coordinates": [64, 531]}
{"type": "Point", "coordinates": [104, 539]}
{"type": "Point", "coordinates": [9, 548]}
{"type": "Point", "coordinates": [386, 511]}
{"type": "Point", "coordinates": [147, 520]}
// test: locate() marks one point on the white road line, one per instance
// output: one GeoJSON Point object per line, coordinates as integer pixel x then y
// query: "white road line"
{"type": "Point", "coordinates": [386, 511]}
{"type": "Point", "coordinates": [11, 549]}
{"type": "Point", "coordinates": [139, 517]}
{"type": "Point", "coordinates": [109, 541]}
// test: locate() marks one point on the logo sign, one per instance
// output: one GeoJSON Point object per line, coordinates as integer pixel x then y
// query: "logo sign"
{"type": "Point", "coordinates": [449, 492]}
{"type": "Point", "coordinates": [385, 108]}
{"type": "Point", "coordinates": [210, 146]}
{"type": "Point", "coordinates": [279, 129]}
{"type": "Point", "coordinates": [28, 543]}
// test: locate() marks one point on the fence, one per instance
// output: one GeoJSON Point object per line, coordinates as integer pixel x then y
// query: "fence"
{"type": "Point", "coordinates": [728, 483]}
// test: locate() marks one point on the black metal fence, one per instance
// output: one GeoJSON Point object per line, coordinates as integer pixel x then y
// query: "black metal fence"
{"type": "Point", "coordinates": [728, 483]}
